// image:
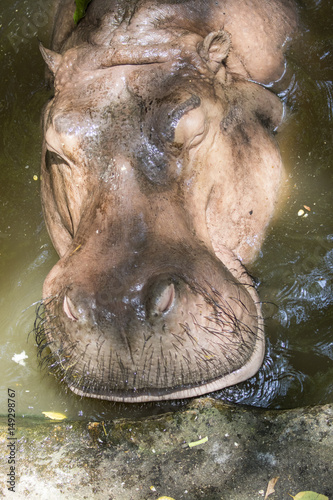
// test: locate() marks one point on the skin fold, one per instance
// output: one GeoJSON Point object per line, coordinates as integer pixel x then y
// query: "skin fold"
{"type": "Point", "coordinates": [160, 174]}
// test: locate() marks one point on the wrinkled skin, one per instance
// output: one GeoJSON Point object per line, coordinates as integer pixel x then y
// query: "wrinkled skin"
{"type": "Point", "coordinates": [160, 174]}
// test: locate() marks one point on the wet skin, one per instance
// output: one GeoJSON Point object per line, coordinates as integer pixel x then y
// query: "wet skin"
{"type": "Point", "coordinates": [160, 174]}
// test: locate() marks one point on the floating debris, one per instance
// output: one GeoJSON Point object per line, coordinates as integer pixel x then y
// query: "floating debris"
{"type": "Point", "coordinates": [53, 415]}
{"type": "Point", "coordinates": [19, 358]}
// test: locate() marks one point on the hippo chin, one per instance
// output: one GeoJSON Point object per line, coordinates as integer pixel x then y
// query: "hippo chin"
{"type": "Point", "coordinates": [160, 174]}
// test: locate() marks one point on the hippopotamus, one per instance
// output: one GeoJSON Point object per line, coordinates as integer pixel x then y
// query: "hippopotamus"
{"type": "Point", "coordinates": [160, 174]}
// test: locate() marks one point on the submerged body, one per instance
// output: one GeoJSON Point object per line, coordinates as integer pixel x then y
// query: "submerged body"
{"type": "Point", "coordinates": [160, 174]}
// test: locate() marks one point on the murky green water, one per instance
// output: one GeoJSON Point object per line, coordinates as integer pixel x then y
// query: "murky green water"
{"type": "Point", "coordinates": [294, 269]}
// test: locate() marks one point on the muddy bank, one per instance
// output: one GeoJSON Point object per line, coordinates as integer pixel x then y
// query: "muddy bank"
{"type": "Point", "coordinates": [146, 459]}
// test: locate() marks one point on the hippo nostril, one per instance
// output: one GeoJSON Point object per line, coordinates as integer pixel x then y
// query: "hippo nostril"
{"type": "Point", "coordinates": [69, 308]}
{"type": "Point", "coordinates": [165, 300]}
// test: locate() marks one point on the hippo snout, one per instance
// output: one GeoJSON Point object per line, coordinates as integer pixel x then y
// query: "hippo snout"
{"type": "Point", "coordinates": [162, 331]}
{"type": "Point", "coordinates": [161, 298]}
{"type": "Point", "coordinates": [158, 300]}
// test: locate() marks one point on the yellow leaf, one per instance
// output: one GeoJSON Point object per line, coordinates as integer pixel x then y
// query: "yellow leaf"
{"type": "Point", "coordinates": [165, 498]}
{"type": "Point", "coordinates": [309, 495]}
{"type": "Point", "coordinates": [270, 487]}
{"type": "Point", "coordinates": [79, 246]}
{"type": "Point", "coordinates": [54, 416]}
{"type": "Point", "coordinates": [196, 443]}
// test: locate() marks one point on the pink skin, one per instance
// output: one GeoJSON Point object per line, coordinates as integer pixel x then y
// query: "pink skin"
{"type": "Point", "coordinates": [160, 176]}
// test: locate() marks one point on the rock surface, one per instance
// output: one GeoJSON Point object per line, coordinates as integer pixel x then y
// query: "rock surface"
{"type": "Point", "coordinates": [151, 458]}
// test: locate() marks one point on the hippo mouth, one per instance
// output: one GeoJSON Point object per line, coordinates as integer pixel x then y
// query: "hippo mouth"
{"type": "Point", "coordinates": [188, 339]}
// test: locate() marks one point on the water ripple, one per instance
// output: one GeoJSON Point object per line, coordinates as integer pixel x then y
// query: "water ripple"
{"type": "Point", "coordinates": [308, 292]}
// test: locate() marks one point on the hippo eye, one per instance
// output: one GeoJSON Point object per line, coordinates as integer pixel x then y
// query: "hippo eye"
{"type": "Point", "coordinates": [192, 128]}
{"type": "Point", "coordinates": [60, 180]}
{"type": "Point", "coordinates": [53, 156]}
{"type": "Point", "coordinates": [170, 115]}
{"type": "Point", "coordinates": [157, 142]}
{"type": "Point", "coordinates": [56, 158]}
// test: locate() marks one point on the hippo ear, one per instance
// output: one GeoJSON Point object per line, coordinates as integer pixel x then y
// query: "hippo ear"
{"type": "Point", "coordinates": [215, 48]}
{"type": "Point", "coordinates": [52, 59]}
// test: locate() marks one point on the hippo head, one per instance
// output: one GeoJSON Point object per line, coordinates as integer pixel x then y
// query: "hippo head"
{"type": "Point", "coordinates": [159, 176]}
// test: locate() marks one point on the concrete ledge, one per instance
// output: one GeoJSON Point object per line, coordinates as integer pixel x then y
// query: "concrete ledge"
{"type": "Point", "coordinates": [123, 459]}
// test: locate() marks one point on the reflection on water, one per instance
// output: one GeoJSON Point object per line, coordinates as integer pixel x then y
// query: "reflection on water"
{"type": "Point", "coordinates": [294, 268]}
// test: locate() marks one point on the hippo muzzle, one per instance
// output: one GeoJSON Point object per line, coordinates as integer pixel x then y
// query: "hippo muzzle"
{"type": "Point", "coordinates": [160, 174]}
{"type": "Point", "coordinates": [167, 321]}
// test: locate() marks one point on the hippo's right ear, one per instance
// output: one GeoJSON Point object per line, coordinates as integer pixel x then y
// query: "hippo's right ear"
{"type": "Point", "coordinates": [52, 59]}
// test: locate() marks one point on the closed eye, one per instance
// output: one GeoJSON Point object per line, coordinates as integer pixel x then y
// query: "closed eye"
{"type": "Point", "coordinates": [192, 128]}
{"type": "Point", "coordinates": [198, 136]}
{"type": "Point", "coordinates": [163, 123]}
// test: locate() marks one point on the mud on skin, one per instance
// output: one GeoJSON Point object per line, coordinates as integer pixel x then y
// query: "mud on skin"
{"type": "Point", "coordinates": [160, 174]}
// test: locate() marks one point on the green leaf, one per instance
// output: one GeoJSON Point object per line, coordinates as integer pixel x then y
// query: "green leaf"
{"type": "Point", "coordinates": [81, 7]}
{"type": "Point", "coordinates": [309, 495]}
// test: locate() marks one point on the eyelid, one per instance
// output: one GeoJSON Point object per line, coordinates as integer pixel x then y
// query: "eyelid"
{"type": "Point", "coordinates": [52, 150]}
{"type": "Point", "coordinates": [192, 128]}
{"type": "Point", "coordinates": [186, 107]}
{"type": "Point", "coordinates": [57, 154]}
{"type": "Point", "coordinates": [199, 136]}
